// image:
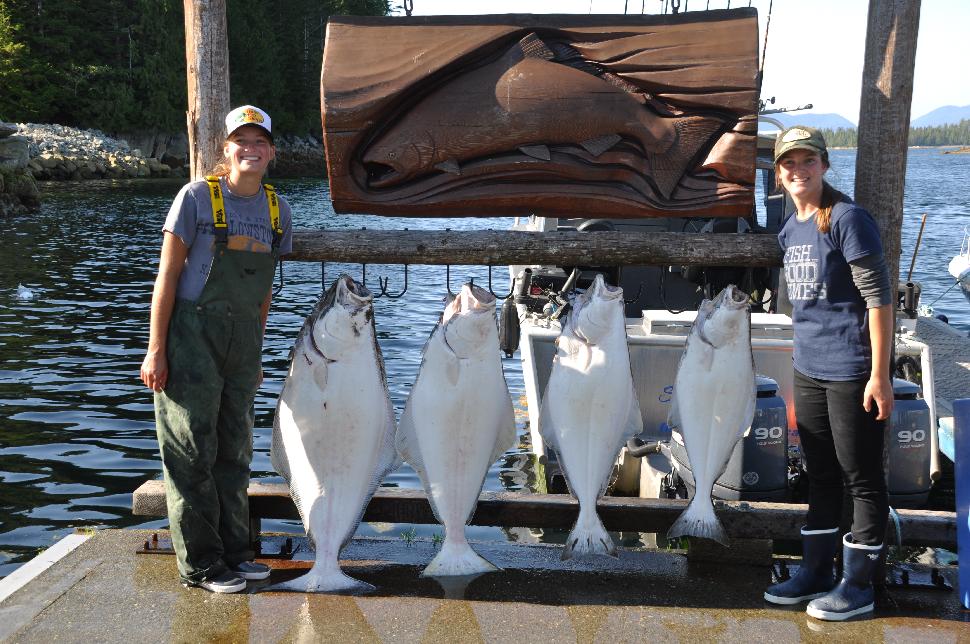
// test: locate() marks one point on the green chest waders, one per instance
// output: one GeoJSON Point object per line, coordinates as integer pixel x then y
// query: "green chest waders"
{"type": "Point", "coordinates": [204, 417]}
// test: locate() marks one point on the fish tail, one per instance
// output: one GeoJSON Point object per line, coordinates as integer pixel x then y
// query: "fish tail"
{"type": "Point", "coordinates": [692, 134]}
{"type": "Point", "coordinates": [699, 520]}
{"type": "Point", "coordinates": [457, 559]}
{"type": "Point", "coordinates": [588, 537]}
{"type": "Point", "coordinates": [323, 580]}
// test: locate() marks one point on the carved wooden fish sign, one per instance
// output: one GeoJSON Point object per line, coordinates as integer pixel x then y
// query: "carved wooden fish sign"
{"type": "Point", "coordinates": [537, 103]}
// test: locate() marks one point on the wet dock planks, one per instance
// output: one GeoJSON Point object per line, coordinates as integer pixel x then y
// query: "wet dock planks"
{"type": "Point", "coordinates": [104, 592]}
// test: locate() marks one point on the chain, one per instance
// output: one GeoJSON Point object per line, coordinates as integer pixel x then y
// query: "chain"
{"type": "Point", "coordinates": [408, 6]}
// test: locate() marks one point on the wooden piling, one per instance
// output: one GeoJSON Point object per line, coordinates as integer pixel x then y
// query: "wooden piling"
{"type": "Point", "coordinates": [207, 72]}
{"type": "Point", "coordinates": [884, 111]}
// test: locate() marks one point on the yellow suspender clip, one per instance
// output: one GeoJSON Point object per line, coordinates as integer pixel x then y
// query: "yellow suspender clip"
{"type": "Point", "coordinates": [219, 207]}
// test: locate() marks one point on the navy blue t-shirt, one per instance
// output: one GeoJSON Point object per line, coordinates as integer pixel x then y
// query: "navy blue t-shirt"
{"type": "Point", "coordinates": [829, 315]}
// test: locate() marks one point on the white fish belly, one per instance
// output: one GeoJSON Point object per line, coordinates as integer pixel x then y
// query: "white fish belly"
{"type": "Point", "coordinates": [334, 440]}
{"type": "Point", "coordinates": [589, 407]}
{"type": "Point", "coordinates": [457, 426]}
{"type": "Point", "coordinates": [713, 404]}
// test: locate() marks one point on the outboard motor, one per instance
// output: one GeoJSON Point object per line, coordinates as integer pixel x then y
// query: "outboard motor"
{"type": "Point", "coordinates": [758, 467]}
{"type": "Point", "coordinates": [909, 447]}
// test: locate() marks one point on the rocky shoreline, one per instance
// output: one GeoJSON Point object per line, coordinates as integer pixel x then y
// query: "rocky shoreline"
{"type": "Point", "coordinates": [32, 152]}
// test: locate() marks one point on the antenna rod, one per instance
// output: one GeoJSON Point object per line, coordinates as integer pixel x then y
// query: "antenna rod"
{"type": "Point", "coordinates": [919, 237]}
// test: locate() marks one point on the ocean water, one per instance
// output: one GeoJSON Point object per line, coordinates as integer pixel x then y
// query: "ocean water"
{"type": "Point", "coordinates": [76, 424]}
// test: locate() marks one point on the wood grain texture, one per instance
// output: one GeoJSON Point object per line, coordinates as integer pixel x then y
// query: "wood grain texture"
{"type": "Point", "coordinates": [592, 248]}
{"type": "Point", "coordinates": [606, 116]}
{"type": "Point", "coordinates": [207, 72]}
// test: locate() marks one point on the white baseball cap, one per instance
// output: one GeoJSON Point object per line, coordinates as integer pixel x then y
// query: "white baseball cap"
{"type": "Point", "coordinates": [248, 115]}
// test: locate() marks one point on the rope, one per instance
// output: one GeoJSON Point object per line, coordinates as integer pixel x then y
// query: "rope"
{"type": "Point", "coordinates": [944, 293]}
{"type": "Point", "coordinates": [764, 50]}
{"type": "Point", "coordinates": [408, 6]}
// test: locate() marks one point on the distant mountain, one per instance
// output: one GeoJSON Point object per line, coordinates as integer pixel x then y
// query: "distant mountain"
{"type": "Point", "coordinates": [943, 116]}
{"type": "Point", "coordinates": [821, 121]}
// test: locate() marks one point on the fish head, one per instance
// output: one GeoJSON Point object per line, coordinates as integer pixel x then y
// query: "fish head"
{"type": "Point", "coordinates": [726, 318]}
{"type": "Point", "coordinates": [342, 320]}
{"type": "Point", "coordinates": [397, 156]}
{"type": "Point", "coordinates": [468, 321]}
{"type": "Point", "coordinates": [597, 312]}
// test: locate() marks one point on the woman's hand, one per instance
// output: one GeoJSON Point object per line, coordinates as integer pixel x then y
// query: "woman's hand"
{"type": "Point", "coordinates": [879, 391]}
{"type": "Point", "coordinates": [154, 371]}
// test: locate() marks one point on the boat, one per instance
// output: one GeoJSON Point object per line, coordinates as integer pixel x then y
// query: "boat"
{"type": "Point", "coordinates": [660, 307]}
{"type": "Point", "coordinates": [960, 264]}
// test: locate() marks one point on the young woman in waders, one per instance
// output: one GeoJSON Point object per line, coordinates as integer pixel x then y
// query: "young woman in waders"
{"type": "Point", "coordinates": [838, 285]}
{"type": "Point", "coordinates": [222, 239]}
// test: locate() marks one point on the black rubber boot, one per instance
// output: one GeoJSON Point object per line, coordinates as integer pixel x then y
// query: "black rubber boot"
{"type": "Point", "coordinates": [854, 595]}
{"type": "Point", "coordinates": [816, 576]}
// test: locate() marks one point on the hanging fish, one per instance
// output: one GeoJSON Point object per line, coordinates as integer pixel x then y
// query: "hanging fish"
{"type": "Point", "coordinates": [458, 420]}
{"type": "Point", "coordinates": [333, 434]}
{"type": "Point", "coordinates": [713, 402]}
{"type": "Point", "coordinates": [590, 408]}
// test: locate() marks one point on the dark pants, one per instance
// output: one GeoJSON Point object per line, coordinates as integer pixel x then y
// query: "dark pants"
{"type": "Point", "coordinates": [842, 445]}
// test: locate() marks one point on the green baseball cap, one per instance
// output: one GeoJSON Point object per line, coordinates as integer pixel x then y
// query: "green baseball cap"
{"type": "Point", "coordinates": [799, 137]}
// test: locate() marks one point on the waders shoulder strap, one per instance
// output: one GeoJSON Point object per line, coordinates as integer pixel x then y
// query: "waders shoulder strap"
{"type": "Point", "coordinates": [218, 210]}
{"type": "Point", "coordinates": [274, 214]}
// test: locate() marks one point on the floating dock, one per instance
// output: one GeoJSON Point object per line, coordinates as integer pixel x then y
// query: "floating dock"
{"type": "Point", "coordinates": [102, 591]}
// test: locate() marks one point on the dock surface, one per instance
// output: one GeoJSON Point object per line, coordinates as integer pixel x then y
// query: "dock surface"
{"type": "Point", "coordinates": [951, 361]}
{"type": "Point", "coordinates": [102, 591]}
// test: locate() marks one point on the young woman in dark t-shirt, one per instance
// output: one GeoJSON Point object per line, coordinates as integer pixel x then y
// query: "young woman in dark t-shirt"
{"type": "Point", "coordinates": [842, 316]}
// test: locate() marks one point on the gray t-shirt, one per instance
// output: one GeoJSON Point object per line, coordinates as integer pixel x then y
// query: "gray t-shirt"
{"type": "Point", "coordinates": [190, 217]}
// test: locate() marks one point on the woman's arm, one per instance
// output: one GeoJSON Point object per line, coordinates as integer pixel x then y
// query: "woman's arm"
{"type": "Point", "coordinates": [879, 389]}
{"type": "Point", "coordinates": [154, 368]}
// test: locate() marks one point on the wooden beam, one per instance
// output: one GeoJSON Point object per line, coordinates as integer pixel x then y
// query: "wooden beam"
{"type": "Point", "coordinates": [742, 520]}
{"type": "Point", "coordinates": [484, 247]}
{"type": "Point", "coordinates": [207, 72]}
{"type": "Point", "coordinates": [887, 93]}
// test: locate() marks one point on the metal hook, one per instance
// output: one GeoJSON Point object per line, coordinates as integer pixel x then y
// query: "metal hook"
{"type": "Point", "coordinates": [279, 287]}
{"type": "Point", "coordinates": [501, 297]}
{"type": "Point", "coordinates": [635, 297]}
{"type": "Point", "coordinates": [383, 282]}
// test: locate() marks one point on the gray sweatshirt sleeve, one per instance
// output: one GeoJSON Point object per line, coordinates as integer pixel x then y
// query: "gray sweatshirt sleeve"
{"type": "Point", "coordinates": [871, 276]}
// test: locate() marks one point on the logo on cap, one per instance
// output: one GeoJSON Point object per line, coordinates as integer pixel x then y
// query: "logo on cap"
{"type": "Point", "coordinates": [796, 134]}
{"type": "Point", "coordinates": [249, 115]}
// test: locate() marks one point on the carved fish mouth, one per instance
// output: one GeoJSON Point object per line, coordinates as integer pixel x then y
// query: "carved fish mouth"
{"type": "Point", "coordinates": [381, 175]}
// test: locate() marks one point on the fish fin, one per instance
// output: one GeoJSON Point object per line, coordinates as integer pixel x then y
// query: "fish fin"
{"type": "Point", "coordinates": [320, 373]}
{"type": "Point", "coordinates": [546, 426]}
{"type": "Point", "coordinates": [588, 537]}
{"type": "Point", "coordinates": [457, 560]}
{"type": "Point", "coordinates": [453, 370]}
{"type": "Point", "coordinates": [450, 166]}
{"type": "Point", "coordinates": [600, 144]}
{"type": "Point", "coordinates": [693, 133]}
{"type": "Point", "coordinates": [406, 441]}
{"type": "Point", "coordinates": [533, 47]}
{"type": "Point", "coordinates": [634, 420]}
{"type": "Point", "coordinates": [540, 152]}
{"type": "Point", "coordinates": [507, 432]}
{"type": "Point", "coordinates": [699, 520]}
{"type": "Point", "coordinates": [673, 413]}
{"type": "Point", "coordinates": [322, 582]}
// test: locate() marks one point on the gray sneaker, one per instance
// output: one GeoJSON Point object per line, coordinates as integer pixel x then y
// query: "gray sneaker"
{"type": "Point", "coordinates": [227, 582]}
{"type": "Point", "coordinates": [250, 570]}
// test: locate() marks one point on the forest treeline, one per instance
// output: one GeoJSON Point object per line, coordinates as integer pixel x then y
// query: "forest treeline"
{"type": "Point", "coordinates": [119, 65]}
{"type": "Point", "coordinates": [950, 134]}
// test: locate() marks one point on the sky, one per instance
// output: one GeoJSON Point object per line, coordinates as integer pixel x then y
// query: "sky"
{"type": "Point", "coordinates": [815, 48]}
